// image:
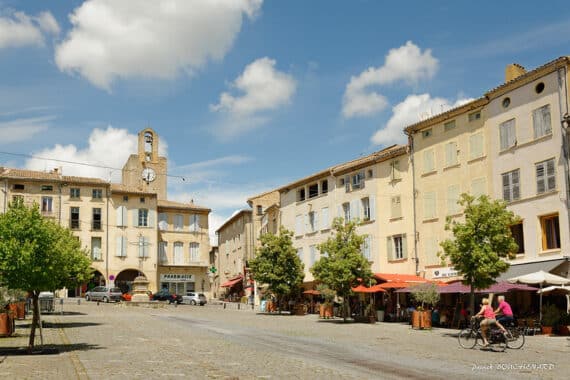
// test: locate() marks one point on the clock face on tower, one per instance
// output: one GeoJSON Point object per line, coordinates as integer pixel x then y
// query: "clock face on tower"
{"type": "Point", "coordinates": [148, 175]}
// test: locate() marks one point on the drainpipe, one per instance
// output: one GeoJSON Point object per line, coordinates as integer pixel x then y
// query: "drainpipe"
{"type": "Point", "coordinates": [411, 144]}
{"type": "Point", "coordinates": [107, 238]}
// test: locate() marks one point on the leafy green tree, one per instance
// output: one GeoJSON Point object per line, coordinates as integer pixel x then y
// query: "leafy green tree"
{"type": "Point", "coordinates": [37, 254]}
{"type": "Point", "coordinates": [425, 293]}
{"type": "Point", "coordinates": [480, 242]}
{"type": "Point", "coordinates": [278, 265]}
{"type": "Point", "coordinates": [342, 265]}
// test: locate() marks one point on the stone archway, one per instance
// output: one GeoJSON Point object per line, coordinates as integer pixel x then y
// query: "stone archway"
{"type": "Point", "coordinates": [97, 279]}
{"type": "Point", "coordinates": [125, 278]}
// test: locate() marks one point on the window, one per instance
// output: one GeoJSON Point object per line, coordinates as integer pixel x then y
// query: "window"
{"type": "Point", "coordinates": [195, 223]}
{"type": "Point", "coordinates": [96, 221]}
{"type": "Point", "coordinates": [96, 248]}
{"type": "Point", "coordinates": [541, 121]}
{"type": "Point", "coordinates": [178, 222]}
{"type": "Point", "coordinates": [395, 170]}
{"type": "Point", "coordinates": [358, 180]}
{"type": "Point", "coordinates": [476, 146]}
{"type": "Point", "coordinates": [325, 223]}
{"type": "Point", "coordinates": [299, 225]}
{"type": "Point", "coordinates": [194, 252]}
{"type": "Point", "coordinates": [550, 232]}
{"type": "Point", "coordinates": [301, 195]}
{"type": "Point", "coordinates": [74, 218]}
{"type": "Point", "coordinates": [539, 88]}
{"type": "Point", "coordinates": [97, 194]}
{"type": "Point", "coordinates": [397, 247]}
{"type": "Point", "coordinates": [427, 133]}
{"type": "Point", "coordinates": [121, 249]}
{"type": "Point", "coordinates": [162, 246]}
{"type": "Point", "coordinates": [346, 211]}
{"type": "Point", "coordinates": [144, 245]}
{"type": "Point", "coordinates": [18, 186]}
{"type": "Point", "coordinates": [121, 216]}
{"type": "Point", "coordinates": [18, 198]}
{"type": "Point", "coordinates": [365, 247]}
{"type": "Point", "coordinates": [479, 187]}
{"type": "Point", "coordinates": [545, 176]}
{"type": "Point", "coordinates": [312, 255]}
{"type": "Point", "coordinates": [429, 165]}
{"type": "Point", "coordinates": [142, 217]}
{"type": "Point", "coordinates": [366, 208]}
{"type": "Point", "coordinates": [313, 221]}
{"type": "Point", "coordinates": [450, 125]}
{"type": "Point", "coordinates": [346, 182]}
{"type": "Point", "coordinates": [313, 190]}
{"type": "Point", "coordinates": [474, 116]}
{"type": "Point", "coordinates": [259, 209]}
{"type": "Point", "coordinates": [452, 199]}
{"type": "Point", "coordinates": [429, 205]}
{"type": "Point", "coordinates": [506, 102]}
{"type": "Point", "coordinates": [178, 253]}
{"type": "Point", "coordinates": [370, 173]}
{"type": "Point", "coordinates": [300, 254]}
{"type": "Point", "coordinates": [507, 134]}
{"type": "Point", "coordinates": [125, 198]}
{"type": "Point", "coordinates": [47, 203]}
{"type": "Point", "coordinates": [324, 186]}
{"type": "Point", "coordinates": [511, 186]}
{"type": "Point", "coordinates": [518, 236]}
{"type": "Point", "coordinates": [395, 207]}
{"type": "Point", "coordinates": [75, 192]}
{"type": "Point", "coordinates": [142, 200]}
{"type": "Point", "coordinates": [162, 221]}
{"type": "Point", "coordinates": [46, 187]}
{"type": "Point", "coordinates": [450, 153]}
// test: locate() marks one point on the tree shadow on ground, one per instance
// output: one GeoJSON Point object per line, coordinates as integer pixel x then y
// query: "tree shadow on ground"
{"type": "Point", "coordinates": [48, 349]}
{"type": "Point", "coordinates": [60, 325]}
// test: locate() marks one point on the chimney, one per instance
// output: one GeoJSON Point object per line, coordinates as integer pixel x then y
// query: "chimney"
{"type": "Point", "coordinates": [513, 71]}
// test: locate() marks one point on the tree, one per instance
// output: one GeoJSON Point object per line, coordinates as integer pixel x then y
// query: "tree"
{"type": "Point", "coordinates": [480, 242]}
{"type": "Point", "coordinates": [37, 254]}
{"type": "Point", "coordinates": [278, 265]}
{"type": "Point", "coordinates": [425, 293]}
{"type": "Point", "coordinates": [342, 265]}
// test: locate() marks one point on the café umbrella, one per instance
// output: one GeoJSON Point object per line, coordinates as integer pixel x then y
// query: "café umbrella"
{"type": "Point", "coordinates": [540, 278]}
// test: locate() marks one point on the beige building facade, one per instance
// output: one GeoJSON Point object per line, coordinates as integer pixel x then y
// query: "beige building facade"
{"type": "Point", "coordinates": [128, 228]}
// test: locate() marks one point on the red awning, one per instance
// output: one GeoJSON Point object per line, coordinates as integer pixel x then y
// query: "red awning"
{"type": "Point", "coordinates": [364, 289]}
{"type": "Point", "coordinates": [396, 277]}
{"type": "Point", "coordinates": [395, 285]}
{"type": "Point", "coordinates": [232, 282]}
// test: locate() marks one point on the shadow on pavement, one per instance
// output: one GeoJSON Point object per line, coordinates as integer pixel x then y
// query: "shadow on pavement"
{"type": "Point", "coordinates": [48, 349]}
{"type": "Point", "coordinates": [61, 325]}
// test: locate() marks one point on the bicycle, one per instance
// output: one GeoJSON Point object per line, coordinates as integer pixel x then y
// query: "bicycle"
{"type": "Point", "coordinates": [515, 336]}
{"type": "Point", "coordinates": [468, 337]}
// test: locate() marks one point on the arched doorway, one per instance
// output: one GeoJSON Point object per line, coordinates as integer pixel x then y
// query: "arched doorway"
{"type": "Point", "coordinates": [96, 280]}
{"type": "Point", "coordinates": [124, 279]}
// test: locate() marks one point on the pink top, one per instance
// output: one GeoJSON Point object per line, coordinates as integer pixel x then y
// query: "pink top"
{"type": "Point", "coordinates": [505, 308]}
{"type": "Point", "coordinates": [488, 312]}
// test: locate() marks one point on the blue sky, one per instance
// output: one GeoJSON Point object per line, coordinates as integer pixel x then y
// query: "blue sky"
{"type": "Point", "coordinates": [247, 95]}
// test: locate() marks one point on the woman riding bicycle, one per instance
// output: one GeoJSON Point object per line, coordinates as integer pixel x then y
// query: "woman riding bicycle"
{"type": "Point", "coordinates": [489, 319]}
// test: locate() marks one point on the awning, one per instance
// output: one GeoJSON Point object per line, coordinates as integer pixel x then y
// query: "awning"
{"type": "Point", "coordinates": [312, 292]}
{"type": "Point", "coordinates": [396, 277]}
{"type": "Point", "coordinates": [232, 282]}
{"type": "Point", "coordinates": [396, 285]}
{"type": "Point", "coordinates": [371, 289]}
{"type": "Point", "coordinates": [516, 270]}
{"type": "Point", "coordinates": [458, 287]}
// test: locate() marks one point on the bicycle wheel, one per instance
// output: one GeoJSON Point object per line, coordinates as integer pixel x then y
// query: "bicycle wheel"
{"type": "Point", "coordinates": [467, 338]}
{"type": "Point", "coordinates": [498, 343]}
{"type": "Point", "coordinates": [515, 338]}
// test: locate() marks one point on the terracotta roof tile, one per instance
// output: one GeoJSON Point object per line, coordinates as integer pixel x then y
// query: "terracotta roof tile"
{"type": "Point", "coordinates": [179, 205]}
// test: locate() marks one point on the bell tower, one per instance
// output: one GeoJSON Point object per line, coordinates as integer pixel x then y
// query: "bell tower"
{"type": "Point", "coordinates": [146, 170]}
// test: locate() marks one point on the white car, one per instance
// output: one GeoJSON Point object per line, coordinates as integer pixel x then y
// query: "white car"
{"type": "Point", "coordinates": [193, 298]}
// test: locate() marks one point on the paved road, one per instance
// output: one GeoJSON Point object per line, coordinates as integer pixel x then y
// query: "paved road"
{"type": "Point", "coordinates": [112, 341]}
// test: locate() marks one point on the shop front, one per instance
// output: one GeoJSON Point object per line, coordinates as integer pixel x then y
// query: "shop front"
{"type": "Point", "coordinates": [178, 283]}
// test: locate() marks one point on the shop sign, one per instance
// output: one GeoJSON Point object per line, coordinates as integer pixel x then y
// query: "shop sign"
{"type": "Point", "coordinates": [173, 277]}
{"type": "Point", "coordinates": [445, 273]}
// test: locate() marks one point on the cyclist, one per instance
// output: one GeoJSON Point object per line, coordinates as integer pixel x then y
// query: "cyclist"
{"type": "Point", "coordinates": [489, 319]}
{"type": "Point", "coordinates": [504, 311]}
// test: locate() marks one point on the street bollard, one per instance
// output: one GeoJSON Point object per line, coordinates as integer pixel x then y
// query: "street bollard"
{"type": "Point", "coordinates": [79, 301]}
{"type": "Point", "coordinates": [224, 305]}
{"type": "Point", "coordinates": [252, 305]}
{"type": "Point", "coordinates": [238, 305]}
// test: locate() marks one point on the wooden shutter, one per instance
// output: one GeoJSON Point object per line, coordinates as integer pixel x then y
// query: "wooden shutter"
{"type": "Point", "coordinates": [389, 248]}
{"type": "Point", "coordinates": [550, 175]}
{"type": "Point", "coordinates": [540, 178]}
{"type": "Point", "coordinates": [450, 153]}
{"type": "Point", "coordinates": [325, 222]}
{"type": "Point", "coordinates": [404, 247]}
{"type": "Point", "coordinates": [152, 218]}
{"type": "Point", "coordinates": [135, 217]}
{"type": "Point", "coordinates": [475, 146]}
{"type": "Point", "coordinates": [372, 205]}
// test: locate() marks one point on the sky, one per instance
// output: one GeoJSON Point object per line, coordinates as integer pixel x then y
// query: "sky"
{"type": "Point", "coordinates": [247, 95]}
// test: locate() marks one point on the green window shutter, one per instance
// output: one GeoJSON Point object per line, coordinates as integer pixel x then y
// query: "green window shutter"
{"type": "Point", "coordinates": [389, 249]}
{"type": "Point", "coordinates": [404, 247]}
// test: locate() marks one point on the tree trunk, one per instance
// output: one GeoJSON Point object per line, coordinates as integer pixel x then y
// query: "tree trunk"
{"type": "Point", "coordinates": [35, 320]}
{"type": "Point", "coordinates": [344, 307]}
{"type": "Point", "coordinates": [472, 300]}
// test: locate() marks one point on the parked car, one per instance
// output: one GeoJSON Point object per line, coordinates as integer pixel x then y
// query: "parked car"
{"type": "Point", "coordinates": [194, 299]}
{"type": "Point", "coordinates": [165, 295]}
{"type": "Point", "coordinates": [103, 293]}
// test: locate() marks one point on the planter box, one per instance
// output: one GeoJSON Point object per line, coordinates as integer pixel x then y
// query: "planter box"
{"type": "Point", "coordinates": [546, 330]}
{"type": "Point", "coordinates": [380, 315]}
{"type": "Point", "coordinates": [421, 319]}
{"type": "Point", "coordinates": [6, 324]}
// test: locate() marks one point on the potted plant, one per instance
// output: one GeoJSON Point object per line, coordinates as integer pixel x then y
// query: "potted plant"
{"type": "Point", "coordinates": [564, 324]}
{"type": "Point", "coordinates": [380, 310]}
{"type": "Point", "coordinates": [550, 318]}
{"type": "Point", "coordinates": [426, 294]}
{"type": "Point", "coordinates": [6, 316]}
{"type": "Point", "coordinates": [326, 309]}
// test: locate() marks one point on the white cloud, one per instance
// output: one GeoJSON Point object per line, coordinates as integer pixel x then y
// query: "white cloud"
{"type": "Point", "coordinates": [23, 128]}
{"type": "Point", "coordinates": [109, 147]}
{"type": "Point", "coordinates": [413, 109]}
{"type": "Point", "coordinates": [263, 88]}
{"type": "Point", "coordinates": [19, 29]}
{"type": "Point", "coordinates": [406, 63]}
{"type": "Point", "coordinates": [153, 39]}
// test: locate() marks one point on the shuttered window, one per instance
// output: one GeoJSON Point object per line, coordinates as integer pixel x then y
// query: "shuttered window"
{"type": "Point", "coordinates": [162, 246]}
{"type": "Point", "coordinates": [507, 134]}
{"type": "Point", "coordinates": [429, 205]}
{"type": "Point", "coordinates": [429, 161]}
{"type": "Point", "coordinates": [545, 176]}
{"type": "Point", "coordinates": [479, 187]}
{"type": "Point", "coordinates": [178, 222]}
{"type": "Point", "coordinates": [178, 253]}
{"type": "Point", "coordinates": [511, 185]}
{"type": "Point", "coordinates": [194, 252]}
{"type": "Point", "coordinates": [452, 199]}
{"type": "Point", "coordinates": [366, 247]}
{"type": "Point", "coordinates": [396, 207]}
{"type": "Point", "coordinates": [325, 222]}
{"type": "Point", "coordinates": [195, 222]}
{"type": "Point", "coordinates": [144, 246]}
{"type": "Point", "coordinates": [299, 225]}
{"type": "Point", "coordinates": [475, 146]}
{"type": "Point", "coordinates": [121, 216]}
{"type": "Point", "coordinates": [451, 153]}
{"type": "Point", "coordinates": [541, 121]}
{"type": "Point", "coordinates": [121, 248]}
